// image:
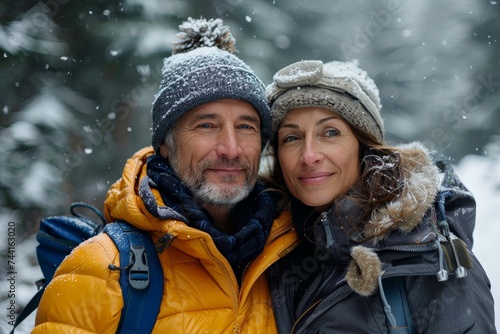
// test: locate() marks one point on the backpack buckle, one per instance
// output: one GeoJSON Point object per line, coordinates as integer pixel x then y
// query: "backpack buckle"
{"type": "Point", "coordinates": [139, 271]}
{"type": "Point", "coordinates": [41, 284]}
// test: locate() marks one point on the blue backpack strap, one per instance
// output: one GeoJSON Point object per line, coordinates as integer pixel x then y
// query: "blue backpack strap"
{"type": "Point", "coordinates": [141, 277]}
{"type": "Point", "coordinates": [399, 320]}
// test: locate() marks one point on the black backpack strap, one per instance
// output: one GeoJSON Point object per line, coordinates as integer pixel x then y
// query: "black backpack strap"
{"type": "Point", "coordinates": [57, 237]}
{"type": "Point", "coordinates": [399, 320]}
{"type": "Point", "coordinates": [141, 277]}
{"type": "Point", "coordinates": [31, 306]}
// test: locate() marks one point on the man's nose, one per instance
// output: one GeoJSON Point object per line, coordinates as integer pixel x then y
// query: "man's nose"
{"type": "Point", "coordinates": [228, 144]}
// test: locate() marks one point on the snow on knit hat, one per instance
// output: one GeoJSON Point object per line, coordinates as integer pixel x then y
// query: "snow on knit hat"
{"type": "Point", "coordinates": [341, 87]}
{"type": "Point", "coordinates": [203, 69]}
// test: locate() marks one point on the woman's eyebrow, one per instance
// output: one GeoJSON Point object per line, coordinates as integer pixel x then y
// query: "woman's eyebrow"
{"type": "Point", "coordinates": [323, 120]}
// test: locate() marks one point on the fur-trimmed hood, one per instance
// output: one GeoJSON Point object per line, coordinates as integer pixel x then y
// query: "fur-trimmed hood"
{"type": "Point", "coordinates": [396, 219]}
{"type": "Point", "coordinates": [420, 186]}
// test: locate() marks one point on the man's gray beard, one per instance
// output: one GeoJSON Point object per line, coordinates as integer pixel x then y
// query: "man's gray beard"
{"type": "Point", "coordinates": [223, 194]}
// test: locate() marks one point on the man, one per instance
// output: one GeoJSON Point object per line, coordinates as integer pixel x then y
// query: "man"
{"type": "Point", "coordinates": [196, 192]}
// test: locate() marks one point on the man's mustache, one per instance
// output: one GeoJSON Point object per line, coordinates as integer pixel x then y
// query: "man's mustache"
{"type": "Point", "coordinates": [224, 163]}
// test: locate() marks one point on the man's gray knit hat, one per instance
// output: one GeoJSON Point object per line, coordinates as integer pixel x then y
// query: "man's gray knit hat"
{"type": "Point", "coordinates": [203, 69]}
{"type": "Point", "coordinates": [341, 87]}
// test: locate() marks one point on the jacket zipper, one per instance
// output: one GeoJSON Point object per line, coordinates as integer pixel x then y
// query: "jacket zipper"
{"type": "Point", "coordinates": [336, 264]}
{"type": "Point", "coordinates": [340, 297]}
{"type": "Point", "coordinates": [330, 278]}
{"type": "Point", "coordinates": [244, 272]}
{"type": "Point", "coordinates": [334, 256]}
{"type": "Point", "coordinates": [333, 275]}
{"type": "Point", "coordinates": [229, 275]}
{"type": "Point", "coordinates": [409, 248]}
{"type": "Point", "coordinates": [304, 314]}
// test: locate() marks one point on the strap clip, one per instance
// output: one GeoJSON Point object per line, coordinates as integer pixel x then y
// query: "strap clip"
{"type": "Point", "coordinates": [139, 272]}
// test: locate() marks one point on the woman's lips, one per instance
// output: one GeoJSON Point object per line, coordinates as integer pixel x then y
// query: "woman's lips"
{"type": "Point", "coordinates": [315, 178]}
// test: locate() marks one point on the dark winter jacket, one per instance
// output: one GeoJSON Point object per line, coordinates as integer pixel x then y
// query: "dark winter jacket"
{"type": "Point", "coordinates": [339, 278]}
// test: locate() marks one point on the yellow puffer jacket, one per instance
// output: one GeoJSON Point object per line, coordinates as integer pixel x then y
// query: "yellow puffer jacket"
{"type": "Point", "coordinates": [201, 294]}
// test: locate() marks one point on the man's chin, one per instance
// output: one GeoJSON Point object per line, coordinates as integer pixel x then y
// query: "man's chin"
{"type": "Point", "coordinates": [225, 179]}
{"type": "Point", "coordinates": [226, 194]}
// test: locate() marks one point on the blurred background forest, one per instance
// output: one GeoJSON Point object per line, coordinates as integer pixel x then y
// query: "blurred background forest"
{"type": "Point", "coordinates": [77, 79]}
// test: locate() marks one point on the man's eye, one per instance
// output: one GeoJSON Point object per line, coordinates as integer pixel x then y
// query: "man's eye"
{"type": "Point", "coordinates": [246, 127]}
{"type": "Point", "coordinates": [204, 125]}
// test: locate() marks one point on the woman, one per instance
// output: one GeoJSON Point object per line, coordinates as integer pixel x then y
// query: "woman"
{"type": "Point", "coordinates": [376, 221]}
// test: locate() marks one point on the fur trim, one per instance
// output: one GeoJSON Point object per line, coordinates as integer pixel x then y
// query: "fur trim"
{"type": "Point", "coordinates": [421, 181]}
{"type": "Point", "coordinates": [363, 271]}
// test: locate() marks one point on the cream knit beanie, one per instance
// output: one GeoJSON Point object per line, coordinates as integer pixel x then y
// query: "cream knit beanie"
{"type": "Point", "coordinates": [341, 87]}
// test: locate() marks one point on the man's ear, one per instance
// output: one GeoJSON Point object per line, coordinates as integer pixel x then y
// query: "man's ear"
{"type": "Point", "coordinates": [164, 151]}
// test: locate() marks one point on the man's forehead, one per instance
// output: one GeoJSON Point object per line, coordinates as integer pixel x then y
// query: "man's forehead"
{"type": "Point", "coordinates": [222, 109]}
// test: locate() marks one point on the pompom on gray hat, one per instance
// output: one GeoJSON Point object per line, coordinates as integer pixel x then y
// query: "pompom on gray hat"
{"type": "Point", "coordinates": [203, 69]}
{"type": "Point", "coordinates": [341, 87]}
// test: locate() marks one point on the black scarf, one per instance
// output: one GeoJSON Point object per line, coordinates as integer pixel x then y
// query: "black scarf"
{"type": "Point", "coordinates": [252, 218]}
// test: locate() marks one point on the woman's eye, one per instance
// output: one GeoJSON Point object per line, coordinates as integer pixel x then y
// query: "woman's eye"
{"type": "Point", "coordinates": [289, 138]}
{"type": "Point", "coordinates": [332, 133]}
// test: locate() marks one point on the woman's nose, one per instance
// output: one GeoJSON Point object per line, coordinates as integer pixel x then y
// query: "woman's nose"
{"type": "Point", "coordinates": [310, 154]}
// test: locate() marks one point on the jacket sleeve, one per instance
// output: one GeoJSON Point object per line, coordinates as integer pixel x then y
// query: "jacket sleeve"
{"type": "Point", "coordinates": [84, 296]}
{"type": "Point", "coordinates": [485, 314]}
{"type": "Point", "coordinates": [460, 205]}
{"type": "Point", "coordinates": [457, 305]}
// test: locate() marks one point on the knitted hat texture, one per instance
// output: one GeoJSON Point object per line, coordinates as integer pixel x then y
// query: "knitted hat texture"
{"type": "Point", "coordinates": [341, 87]}
{"type": "Point", "coordinates": [203, 69]}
